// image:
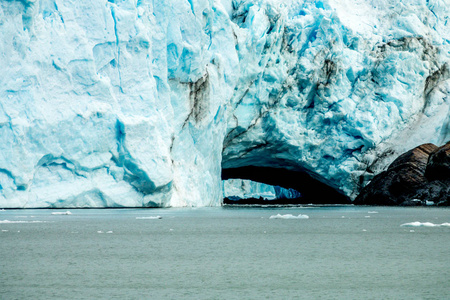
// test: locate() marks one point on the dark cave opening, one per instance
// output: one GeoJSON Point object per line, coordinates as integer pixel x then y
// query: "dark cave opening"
{"type": "Point", "coordinates": [312, 190]}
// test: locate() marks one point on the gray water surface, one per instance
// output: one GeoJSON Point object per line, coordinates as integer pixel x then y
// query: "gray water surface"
{"type": "Point", "coordinates": [225, 253]}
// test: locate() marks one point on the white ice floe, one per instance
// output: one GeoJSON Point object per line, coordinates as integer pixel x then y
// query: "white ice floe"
{"type": "Point", "coordinates": [149, 218]}
{"type": "Point", "coordinates": [16, 222]}
{"type": "Point", "coordinates": [425, 224]}
{"type": "Point", "coordinates": [289, 216]}
{"type": "Point", "coordinates": [61, 213]}
{"type": "Point", "coordinates": [372, 212]}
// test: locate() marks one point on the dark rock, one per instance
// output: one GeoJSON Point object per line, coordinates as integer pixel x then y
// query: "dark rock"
{"type": "Point", "coordinates": [439, 163]}
{"type": "Point", "coordinates": [420, 176]}
{"type": "Point", "coordinates": [417, 157]}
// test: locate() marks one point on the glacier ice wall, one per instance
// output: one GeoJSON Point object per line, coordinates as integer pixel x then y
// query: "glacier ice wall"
{"type": "Point", "coordinates": [142, 103]}
{"type": "Point", "coordinates": [236, 189]}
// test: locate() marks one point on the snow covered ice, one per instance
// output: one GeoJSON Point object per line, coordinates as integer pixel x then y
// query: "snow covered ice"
{"type": "Point", "coordinates": [425, 224]}
{"type": "Point", "coordinates": [142, 103]}
{"type": "Point", "coordinates": [61, 213]}
{"type": "Point", "coordinates": [149, 218]}
{"type": "Point", "coordinates": [288, 216]}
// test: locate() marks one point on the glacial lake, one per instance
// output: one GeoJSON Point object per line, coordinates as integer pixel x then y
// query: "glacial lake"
{"type": "Point", "coordinates": [226, 253]}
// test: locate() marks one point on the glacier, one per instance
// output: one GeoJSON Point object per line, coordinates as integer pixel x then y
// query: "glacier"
{"type": "Point", "coordinates": [237, 189]}
{"type": "Point", "coordinates": [143, 103]}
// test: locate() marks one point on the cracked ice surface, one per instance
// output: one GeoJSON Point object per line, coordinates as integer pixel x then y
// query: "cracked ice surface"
{"type": "Point", "coordinates": [133, 104]}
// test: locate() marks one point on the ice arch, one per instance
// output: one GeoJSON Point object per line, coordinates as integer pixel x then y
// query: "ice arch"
{"type": "Point", "coordinates": [312, 190]}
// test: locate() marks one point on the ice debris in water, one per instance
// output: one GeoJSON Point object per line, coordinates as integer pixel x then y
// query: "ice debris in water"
{"type": "Point", "coordinates": [149, 218]}
{"type": "Point", "coordinates": [61, 213]}
{"type": "Point", "coordinates": [289, 216]}
{"type": "Point", "coordinates": [372, 212]}
{"type": "Point", "coordinates": [15, 222]}
{"type": "Point", "coordinates": [425, 224]}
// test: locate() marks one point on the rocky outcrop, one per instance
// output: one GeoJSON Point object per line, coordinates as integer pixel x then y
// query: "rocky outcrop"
{"type": "Point", "coordinates": [438, 166]}
{"type": "Point", "coordinates": [419, 176]}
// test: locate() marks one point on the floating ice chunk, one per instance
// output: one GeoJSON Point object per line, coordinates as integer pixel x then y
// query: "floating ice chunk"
{"type": "Point", "coordinates": [289, 216]}
{"type": "Point", "coordinates": [99, 231]}
{"type": "Point", "coordinates": [419, 224]}
{"type": "Point", "coordinates": [149, 218]}
{"type": "Point", "coordinates": [366, 216]}
{"type": "Point", "coordinates": [109, 231]}
{"type": "Point", "coordinates": [16, 222]}
{"type": "Point", "coordinates": [425, 224]}
{"type": "Point", "coordinates": [4, 230]}
{"type": "Point", "coordinates": [61, 213]}
{"type": "Point", "coordinates": [372, 212]}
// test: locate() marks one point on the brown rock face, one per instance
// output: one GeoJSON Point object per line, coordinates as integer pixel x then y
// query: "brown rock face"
{"type": "Point", "coordinates": [439, 163]}
{"type": "Point", "coordinates": [422, 173]}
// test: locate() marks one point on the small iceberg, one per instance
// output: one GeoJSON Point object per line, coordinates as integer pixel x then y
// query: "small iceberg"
{"type": "Point", "coordinates": [289, 216]}
{"type": "Point", "coordinates": [149, 218]}
{"type": "Point", "coordinates": [61, 213]}
{"type": "Point", "coordinates": [425, 224]}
